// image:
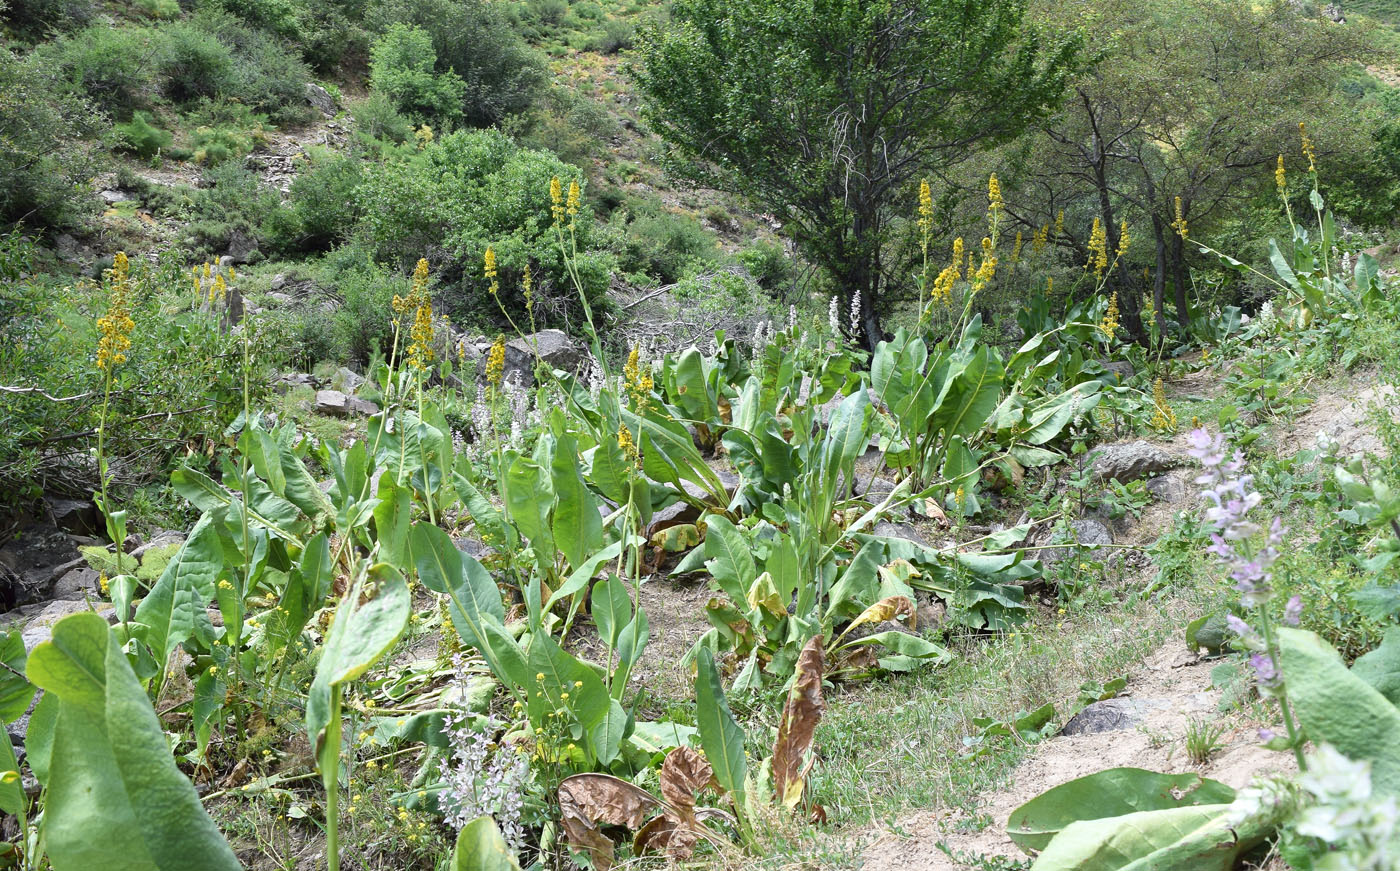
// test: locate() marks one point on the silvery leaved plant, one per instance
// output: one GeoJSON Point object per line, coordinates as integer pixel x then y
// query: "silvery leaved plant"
{"type": "Point", "coordinates": [1341, 810]}
{"type": "Point", "coordinates": [480, 777]}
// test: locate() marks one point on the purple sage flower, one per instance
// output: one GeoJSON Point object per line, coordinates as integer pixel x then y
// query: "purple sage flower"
{"type": "Point", "coordinates": [1293, 611]}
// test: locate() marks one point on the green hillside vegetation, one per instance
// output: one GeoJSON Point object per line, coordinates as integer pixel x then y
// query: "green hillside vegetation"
{"type": "Point", "coordinates": [480, 434]}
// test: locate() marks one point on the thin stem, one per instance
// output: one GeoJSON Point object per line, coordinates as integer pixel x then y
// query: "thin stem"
{"type": "Point", "coordinates": [333, 794]}
{"type": "Point", "coordinates": [1271, 645]}
{"type": "Point", "coordinates": [423, 455]}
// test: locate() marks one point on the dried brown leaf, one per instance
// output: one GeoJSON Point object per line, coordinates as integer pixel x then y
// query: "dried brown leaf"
{"type": "Point", "coordinates": [797, 730]}
{"type": "Point", "coordinates": [891, 608]}
{"type": "Point", "coordinates": [586, 800]}
{"type": "Point", "coordinates": [684, 773]}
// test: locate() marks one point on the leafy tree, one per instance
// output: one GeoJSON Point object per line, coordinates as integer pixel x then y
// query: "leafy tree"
{"type": "Point", "coordinates": [826, 112]}
{"type": "Point", "coordinates": [401, 67]}
{"type": "Point", "coordinates": [1190, 101]}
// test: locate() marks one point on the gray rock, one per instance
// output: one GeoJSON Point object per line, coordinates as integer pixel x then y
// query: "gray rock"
{"type": "Point", "coordinates": [332, 402]}
{"type": "Point", "coordinates": [362, 407]}
{"type": "Point", "coordinates": [555, 348]}
{"type": "Point", "coordinates": [279, 281]}
{"type": "Point", "coordinates": [241, 246]}
{"type": "Point", "coordinates": [111, 197]}
{"type": "Point", "coordinates": [76, 516]}
{"type": "Point", "coordinates": [279, 297]}
{"type": "Point", "coordinates": [1168, 488]}
{"type": "Point", "coordinates": [1129, 461]}
{"type": "Point", "coordinates": [40, 629]}
{"type": "Point", "coordinates": [346, 380]}
{"type": "Point", "coordinates": [30, 564]}
{"type": "Point", "coordinates": [321, 100]}
{"type": "Point", "coordinates": [290, 381]}
{"type": "Point", "coordinates": [1121, 368]}
{"type": "Point", "coordinates": [931, 612]}
{"type": "Point", "coordinates": [76, 585]}
{"type": "Point", "coordinates": [1112, 715]}
{"type": "Point", "coordinates": [1087, 531]}
{"type": "Point", "coordinates": [899, 530]}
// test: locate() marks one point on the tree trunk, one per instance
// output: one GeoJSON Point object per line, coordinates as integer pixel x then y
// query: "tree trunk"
{"type": "Point", "coordinates": [1159, 277]}
{"type": "Point", "coordinates": [1178, 267]}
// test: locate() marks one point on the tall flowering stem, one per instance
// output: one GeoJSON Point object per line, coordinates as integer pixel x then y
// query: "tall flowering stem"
{"type": "Point", "coordinates": [420, 357]}
{"type": "Point", "coordinates": [1230, 496]}
{"type": "Point", "coordinates": [114, 340]}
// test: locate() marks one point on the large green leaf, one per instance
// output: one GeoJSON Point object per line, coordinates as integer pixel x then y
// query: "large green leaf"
{"type": "Point", "coordinates": [117, 800]}
{"type": "Point", "coordinates": [729, 559]}
{"type": "Point", "coordinates": [721, 736]}
{"type": "Point", "coordinates": [1340, 708]}
{"type": "Point", "coordinates": [360, 634]}
{"type": "Point", "coordinates": [392, 519]}
{"type": "Point", "coordinates": [578, 528]}
{"type": "Point", "coordinates": [1381, 667]}
{"type": "Point", "coordinates": [15, 692]}
{"type": "Point", "coordinates": [476, 609]}
{"type": "Point", "coordinates": [1192, 838]}
{"type": "Point", "coordinates": [1110, 793]}
{"type": "Point", "coordinates": [973, 396]}
{"type": "Point", "coordinates": [480, 847]}
{"type": "Point", "coordinates": [167, 617]}
{"type": "Point", "coordinates": [279, 516]}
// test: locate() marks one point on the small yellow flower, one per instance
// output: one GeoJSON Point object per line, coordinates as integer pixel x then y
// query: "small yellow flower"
{"type": "Point", "coordinates": [103, 584]}
{"type": "Point", "coordinates": [539, 676]}
{"type": "Point", "coordinates": [564, 696]}
{"type": "Point", "coordinates": [578, 683]}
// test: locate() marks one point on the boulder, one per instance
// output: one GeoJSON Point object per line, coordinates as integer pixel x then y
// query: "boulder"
{"type": "Point", "coordinates": [1112, 715]}
{"type": "Point", "coordinates": [1168, 488]}
{"type": "Point", "coordinates": [1128, 461]}
{"type": "Point", "coordinates": [30, 564]}
{"type": "Point", "coordinates": [1121, 368]}
{"type": "Point", "coordinates": [555, 349]}
{"type": "Point", "coordinates": [76, 516]}
{"type": "Point", "coordinates": [336, 404]}
{"type": "Point", "coordinates": [279, 297]}
{"type": "Point", "coordinates": [290, 381]}
{"type": "Point", "coordinates": [346, 380]}
{"type": "Point", "coordinates": [40, 629]}
{"type": "Point", "coordinates": [1087, 531]}
{"type": "Point", "coordinates": [279, 281]}
{"type": "Point", "coordinates": [905, 531]}
{"type": "Point", "coordinates": [241, 246]}
{"type": "Point", "coordinates": [76, 585]}
{"type": "Point", "coordinates": [321, 100]}
{"type": "Point", "coordinates": [111, 197]}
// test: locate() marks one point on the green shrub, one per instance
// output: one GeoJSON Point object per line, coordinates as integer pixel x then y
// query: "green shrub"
{"type": "Point", "coordinates": [158, 8]}
{"type": "Point", "coordinates": [402, 68]}
{"type": "Point", "coordinates": [663, 245]}
{"type": "Point", "coordinates": [468, 190]}
{"type": "Point", "coordinates": [322, 199]}
{"type": "Point", "coordinates": [230, 200]}
{"type": "Point", "coordinates": [141, 137]}
{"type": "Point", "coordinates": [194, 63]}
{"type": "Point", "coordinates": [215, 145]}
{"type": "Point", "coordinates": [618, 35]}
{"type": "Point", "coordinates": [48, 146]}
{"type": "Point", "coordinates": [550, 12]}
{"type": "Point", "coordinates": [268, 75]}
{"type": "Point", "coordinates": [768, 263]}
{"type": "Point", "coordinates": [33, 19]}
{"type": "Point", "coordinates": [377, 121]}
{"type": "Point", "coordinates": [502, 75]}
{"type": "Point", "coordinates": [111, 65]}
{"type": "Point", "coordinates": [363, 320]}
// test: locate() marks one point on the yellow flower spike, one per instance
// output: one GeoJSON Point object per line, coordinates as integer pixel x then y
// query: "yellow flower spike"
{"type": "Point", "coordinates": [1179, 225]}
{"type": "Point", "coordinates": [496, 364]}
{"type": "Point", "coordinates": [957, 256]}
{"type": "Point", "coordinates": [1060, 224]}
{"type": "Point", "coordinates": [527, 283]}
{"type": "Point", "coordinates": [1109, 324]}
{"type": "Point", "coordinates": [624, 441]}
{"type": "Point", "coordinates": [1280, 179]}
{"type": "Point", "coordinates": [1039, 239]}
{"type": "Point", "coordinates": [1123, 238]}
{"type": "Point", "coordinates": [1308, 150]}
{"type": "Point", "coordinates": [925, 210]}
{"type": "Point", "coordinates": [1098, 249]}
{"type": "Point", "coordinates": [1016, 249]}
{"type": "Point", "coordinates": [114, 329]}
{"type": "Point", "coordinates": [103, 584]}
{"type": "Point", "coordinates": [556, 197]}
{"type": "Point", "coordinates": [571, 207]}
{"type": "Point", "coordinates": [995, 205]}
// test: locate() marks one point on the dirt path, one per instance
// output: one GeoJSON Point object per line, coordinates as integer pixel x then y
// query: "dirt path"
{"type": "Point", "coordinates": [1169, 692]}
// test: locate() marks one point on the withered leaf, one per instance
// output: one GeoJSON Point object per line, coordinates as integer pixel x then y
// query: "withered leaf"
{"type": "Point", "coordinates": [891, 608]}
{"type": "Point", "coordinates": [586, 800]}
{"type": "Point", "coordinates": [797, 730]}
